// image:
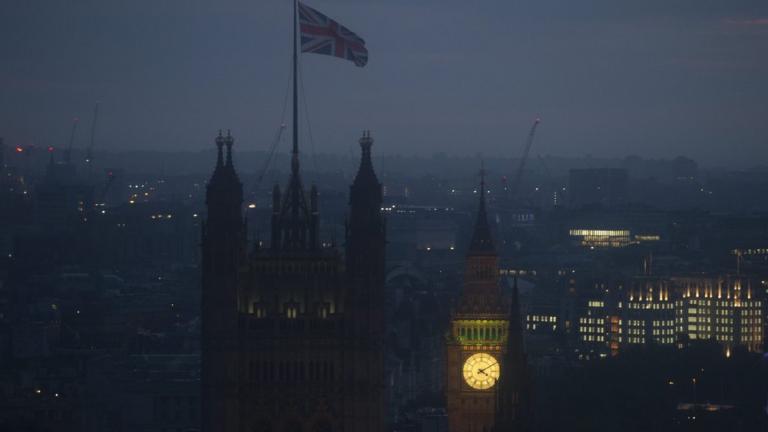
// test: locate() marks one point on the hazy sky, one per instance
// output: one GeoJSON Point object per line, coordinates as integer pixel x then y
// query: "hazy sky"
{"type": "Point", "coordinates": [657, 78]}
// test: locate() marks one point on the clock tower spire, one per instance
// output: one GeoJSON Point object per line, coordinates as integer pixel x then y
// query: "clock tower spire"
{"type": "Point", "coordinates": [478, 334]}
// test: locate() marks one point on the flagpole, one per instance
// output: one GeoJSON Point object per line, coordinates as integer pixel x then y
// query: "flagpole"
{"type": "Point", "coordinates": [295, 155]}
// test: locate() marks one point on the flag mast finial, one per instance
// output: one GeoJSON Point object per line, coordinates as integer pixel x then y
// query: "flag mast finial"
{"type": "Point", "coordinates": [295, 153]}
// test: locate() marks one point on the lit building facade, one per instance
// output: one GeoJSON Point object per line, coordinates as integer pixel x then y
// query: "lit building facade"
{"type": "Point", "coordinates": [609, 238]}
{"type": "Point", "coordinates": [723, 309]}
{"type": "Point", "coordinates": [672, 311]}
{"type": "Point", "coordinates": [648, 315]}
{"type": "Point", "coordinates": [592, 324]}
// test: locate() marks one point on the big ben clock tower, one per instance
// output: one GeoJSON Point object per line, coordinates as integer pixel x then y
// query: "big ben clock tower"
{"type": "Point", "coordinates": [477, 360]}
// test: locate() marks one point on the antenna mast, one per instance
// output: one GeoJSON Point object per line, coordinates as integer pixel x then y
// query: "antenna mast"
{"type": "Point", "coordinates": [295, 154]}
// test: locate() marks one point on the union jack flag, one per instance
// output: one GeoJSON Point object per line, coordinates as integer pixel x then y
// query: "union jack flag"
{"type": "Point", "coordinates": [322, 35]}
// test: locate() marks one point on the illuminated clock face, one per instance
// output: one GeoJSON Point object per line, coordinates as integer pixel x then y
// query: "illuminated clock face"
{"type": "Point", "coordinates": [481, 371]}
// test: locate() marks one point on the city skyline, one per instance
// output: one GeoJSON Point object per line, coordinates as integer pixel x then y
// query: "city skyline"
{"type": "Point", "coordinates": [522, 216]}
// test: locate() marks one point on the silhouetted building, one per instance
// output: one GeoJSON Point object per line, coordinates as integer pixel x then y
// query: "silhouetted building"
{"type": "Point", "coordinates": [152, 393]}
{"type": "Point", "coordinates": [292, 334]}
{"type": "Point", "coordinates": [61, 196]}
{"type": "Point", "coordinates": [514, 399]}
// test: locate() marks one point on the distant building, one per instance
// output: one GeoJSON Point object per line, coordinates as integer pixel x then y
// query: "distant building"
{"type": "Point", "coordinates": [415, 342]}
{"type": "Point", "coordinates": [151, 393]}
{"type": "Point", "coordinates": [646, 315]}
{"type": "Point", "coordinates": [672, 311]}
{"type": "Point", "coordinates": [727, 310]}
{"type": "Point", "coordinates": [605, 187]}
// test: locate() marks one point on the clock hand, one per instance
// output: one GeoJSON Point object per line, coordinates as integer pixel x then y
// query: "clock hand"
{"type": "Point", "coordinates": [482, 371]}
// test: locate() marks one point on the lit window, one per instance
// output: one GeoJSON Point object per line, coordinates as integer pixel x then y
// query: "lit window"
{"type": "Point", "coordinates": [323, 309]}
{"type": "Point", "coordinates": [291, 311]}
{"type": "Point", "coordinates": [260, 310]}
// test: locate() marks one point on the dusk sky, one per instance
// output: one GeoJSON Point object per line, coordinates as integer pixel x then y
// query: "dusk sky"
{"type": "Point", "coordinates": [609, 78]}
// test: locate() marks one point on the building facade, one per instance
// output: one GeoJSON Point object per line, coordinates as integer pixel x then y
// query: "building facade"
{"type": "Point", "coordinates": [672, 311]}
{"type": "Point", "coordinates": [292, 332]}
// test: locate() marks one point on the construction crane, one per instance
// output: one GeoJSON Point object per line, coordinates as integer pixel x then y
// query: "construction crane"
{"type": "Point", "coordinates": [523, 159]}
{"type": "Point", "coordinates": [68, 152]}
{"type": "Point", "coordinates": [103, 195]}
{"type": "Point", "coordinates": [89, 150]}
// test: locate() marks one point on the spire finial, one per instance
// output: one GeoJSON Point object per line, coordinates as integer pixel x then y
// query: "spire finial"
{"type": "Point", "coordinates": [366, 141]}
{"type": "Point", "coordinates": [482, 243]}
{"type": "Point", "coordinates": [365, 172]}
{"type": "Point", "coordinates": [483, 172]}
{"type": "Point", "coordinates": [229, 141]}
{"type": "Point", "coordinates": [219, 147]}
{"type": "Point", "coordinates": [482, 179]}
